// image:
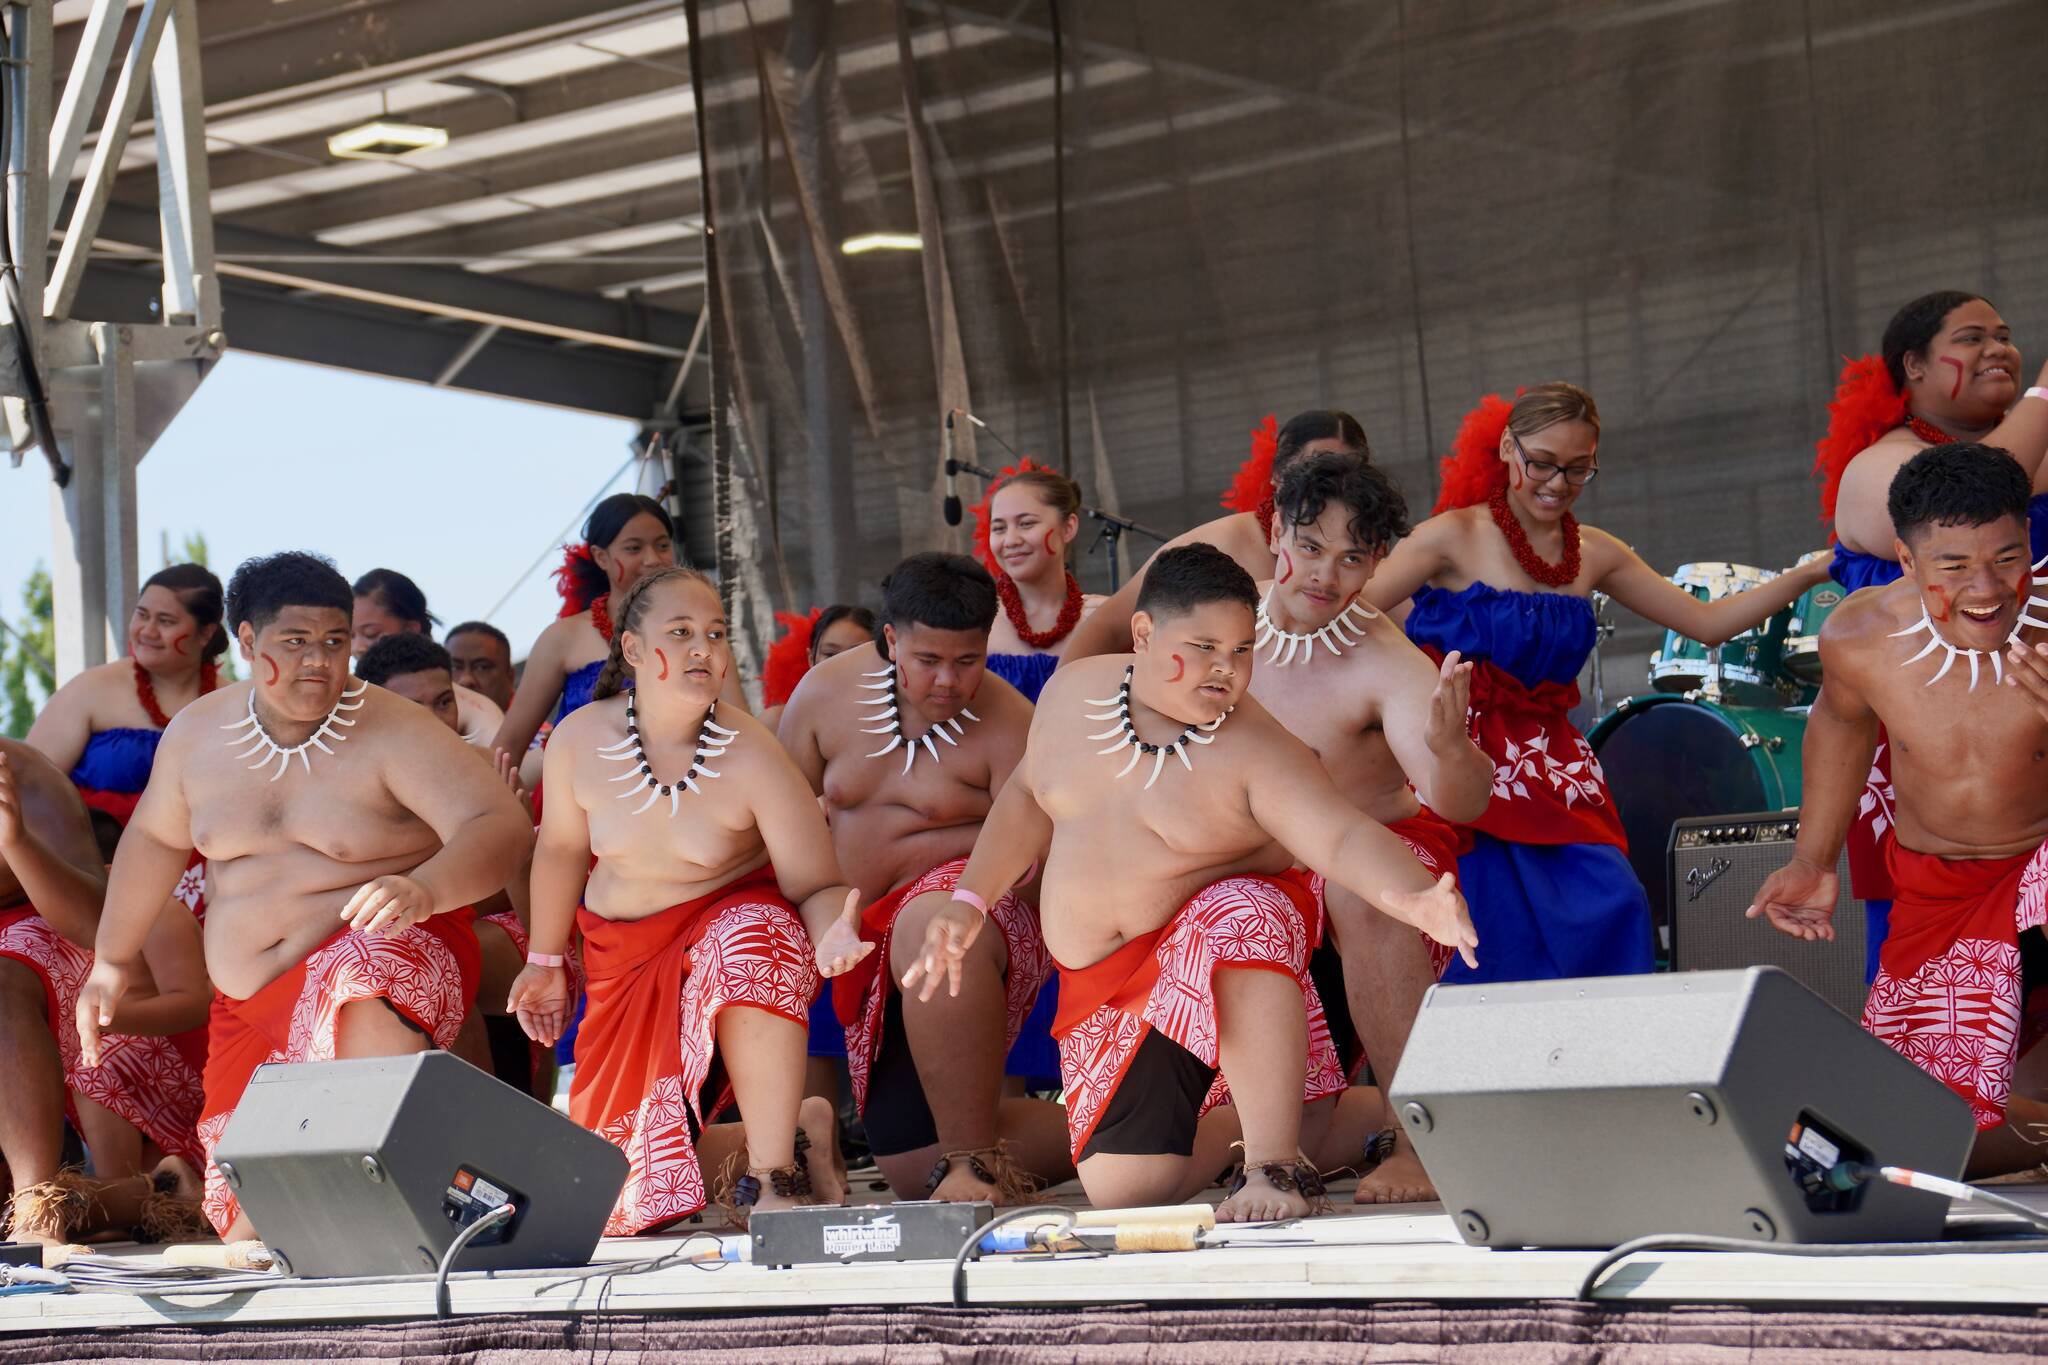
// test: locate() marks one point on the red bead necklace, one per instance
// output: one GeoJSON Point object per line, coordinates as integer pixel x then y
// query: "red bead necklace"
{"type": "Point", "coordinates": [1265, 512]}
{"type": "Point", "coordinates": [1548, 574]}
{"type": "Point", "coordinates": [1013, 607]}
{"type": "Point", "coordinates": [145, 690]}
{"type": "Point", "coordinates": [1927, 431]}
{"type": "Point", "coordinates": [601, 616]}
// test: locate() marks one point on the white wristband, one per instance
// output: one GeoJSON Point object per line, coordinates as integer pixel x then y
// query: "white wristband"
{"type": "Point", "coordinates": [2036, 392]}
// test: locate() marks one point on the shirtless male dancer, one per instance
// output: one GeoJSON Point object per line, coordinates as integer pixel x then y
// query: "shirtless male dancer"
{"type": "Point", "coordinates": [346, 833]}
{"type": "Point", "coordinates": [908, 742]}
{"type": "Point", "coordinates": [1350, 684]}
{"type": "Point", "coordinates": [1156, 788]}
{"type": "Point", "coordinates": [1924, 657]}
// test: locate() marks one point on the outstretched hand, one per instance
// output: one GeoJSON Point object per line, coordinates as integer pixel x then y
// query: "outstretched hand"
{"type": "Point", "coordinates": [540, 1001]}
{"type": "Point", "coordinates": [1799, 899]}
{"type": "Point", "coordinates": [1439, 912]}
{"type": "Point", "coordinates": [102, 991]}
{"type": "Point", "coordinates": [1449, 705]}
{"type": "Point", "coordinates": [842, 946]}
{"type": "Point", "coordinates": [947, 937]}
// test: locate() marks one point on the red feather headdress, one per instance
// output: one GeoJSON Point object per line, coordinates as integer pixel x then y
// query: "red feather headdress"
{"type": "Point", "coordinates": [1474, 469]}
{"type": "Point", "coordinates": [579, 580]}
{"type": "Point", "coordinates": [981, 549]}
{"type": "Point", "coordinates": [1252, 488]}
{"type": "Point", "coordinates": [1865, 407]}
{"type": "Point", "coordinates": [789, 658]}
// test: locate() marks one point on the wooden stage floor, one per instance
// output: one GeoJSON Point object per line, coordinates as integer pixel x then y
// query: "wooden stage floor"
{"type": "Point", "coordinates": [1358, 1256]}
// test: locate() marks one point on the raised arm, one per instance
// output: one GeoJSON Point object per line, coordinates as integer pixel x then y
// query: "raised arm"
{"type": "Point", "coordinates": [1628, 580]}
{"type": "Point", "coordinates": [1293, 800]}
{"type": "Point", "coordinates": [561, 865]}
{"type": "Point", "coordinates": [46, 842]}
{"type": "Point", "coordinates": [1423, 716]}
{"type": "Point", "coordinates": [1421, 556]}
{"type": "Point", "coordinates": [540, 687]}
{"type": "Point", "coordinates": [63, 727]}
{"type": "Point", "coordinates": [484, 835]}
{"type": "Point", "coordinates": [1841, 741]}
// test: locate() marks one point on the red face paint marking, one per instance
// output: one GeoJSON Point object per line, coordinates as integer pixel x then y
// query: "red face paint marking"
{"type": "Point", "coordinates": [1286, 567]}
{"type": "Point", "coordinates": [1515, 474]}
{"type": "Point", "coordinates": [1180, 668]}
{"type": "Point", "coordinates": [178, 642]}
{"type": "Point", "coordinates": [1956, 387]}
{"type": "Point", "coordinates": [1048, 543]}
{"type": "Point", "coordinates": [1940, 595]}
{"type": "Point", "coordinates": [273, 668]}
{"type": "Point", "coordinates": [663, 675]}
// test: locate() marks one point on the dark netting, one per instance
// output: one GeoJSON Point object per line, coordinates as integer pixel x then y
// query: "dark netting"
{"type": "Point", "coordinates": [1692, 208]}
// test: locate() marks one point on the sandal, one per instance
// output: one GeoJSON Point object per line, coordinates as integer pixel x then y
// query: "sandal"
{"type": "Point", "coordinates": [1296, 1174]}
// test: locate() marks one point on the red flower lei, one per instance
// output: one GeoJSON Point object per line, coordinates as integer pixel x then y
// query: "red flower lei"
{"type": "Point", "coordinates": [1013, 607]}
{"type": "Point", "coordinates": [1548, 574]}
{"type": "Point", "coordinates": [145, 690]}
{"type": "Point", "coordinates": [601, 615]}
{"type": "Point", "coordinates": [1927, 431]}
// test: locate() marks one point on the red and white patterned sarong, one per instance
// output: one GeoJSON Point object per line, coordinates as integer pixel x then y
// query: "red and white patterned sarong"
{"type": "Point", "coordinates": [860, 997]}
{"type": "Point", "coordinates": [1947, 994]}
{"type": "Point", "coordinates": [1436, 844]}
{"type": "Point", "coordinates": [426, 973]}
{"type": "Point", "coordinates": [1165, 980]}
{"type": "Point", "coordinates": [644, 1049]}
{"type": "Point", "coordinates": [26, 937]}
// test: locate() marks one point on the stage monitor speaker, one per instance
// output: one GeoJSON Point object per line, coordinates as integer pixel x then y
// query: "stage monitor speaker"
{"type": "Point", "coordinates": [373, 1167]}
{"type": "Point", "coordinates": [1586, 1112]}
{"type": "Point", "coordinates": [1718, 862]}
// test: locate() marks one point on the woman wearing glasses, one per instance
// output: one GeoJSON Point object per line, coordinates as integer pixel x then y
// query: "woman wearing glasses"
{"type": "Point", "coordinates": [1503, 574]}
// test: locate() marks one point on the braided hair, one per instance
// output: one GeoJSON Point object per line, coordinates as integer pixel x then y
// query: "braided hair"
{"type": "Point", "coordinates": [612, 677]}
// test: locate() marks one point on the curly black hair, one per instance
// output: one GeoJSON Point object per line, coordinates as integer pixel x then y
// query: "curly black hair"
{"type": "Point", "coordinates": [1379, 514]}
{"type": "Point", "coordinates": [1189, 576]}
{"type": "Point", "coordinates": [264, 586]}
{"type": "Point", "coordinates": [1963, 483]}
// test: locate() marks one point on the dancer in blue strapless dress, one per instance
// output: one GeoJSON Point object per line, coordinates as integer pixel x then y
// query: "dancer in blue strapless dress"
{"type": "Point", "coordinates": [1023, 531]}
{"type": "Point", "coordinates": [1503, 576]}
{"type": "Point", "coordinates": [103, 725]}
{"type": "Point", "coordinates": [1948, 371]}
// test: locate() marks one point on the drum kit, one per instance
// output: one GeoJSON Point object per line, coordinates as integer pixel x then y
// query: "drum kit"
{"type": "Point", "coordinates": [1721, 730]}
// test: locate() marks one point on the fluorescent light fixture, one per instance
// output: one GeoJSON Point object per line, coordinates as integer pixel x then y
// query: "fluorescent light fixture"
{"type": "Point", "coordinates": [382, 140]}
{"type": "Point", "coordinates": [881, 241]}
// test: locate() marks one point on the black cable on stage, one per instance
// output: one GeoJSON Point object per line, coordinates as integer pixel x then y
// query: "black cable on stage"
{"type": "Point", "coordinates": [1006, 1216]}
{"type": "Point", "coordinates": [501, 1214]}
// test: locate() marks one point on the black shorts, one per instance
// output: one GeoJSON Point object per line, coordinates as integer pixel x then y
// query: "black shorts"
{"type": "Point", "coordinates": [1154, 1109]}
{"type": "Point", "coordinates": [897, 1117]}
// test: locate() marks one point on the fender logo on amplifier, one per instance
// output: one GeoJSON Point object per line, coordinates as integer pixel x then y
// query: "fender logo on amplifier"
{"type": "Point", "coordinates": [1698, 879]}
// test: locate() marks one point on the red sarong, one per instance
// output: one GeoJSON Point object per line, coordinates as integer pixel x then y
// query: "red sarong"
{"type": "Point", "coordinates": [1437, 844]}
{"type": "Point", "coordinates": [1947, 994]}
{"type": "Point", "coordinates": [644, 1049]}
{"type": "Point", "coordinates": [151, 1082]}
{"type": "Point", "coordinates": [426, 973]}
{"type": "Point", "coordinates": [860, 996]}
{"type": "Point", "coordinates": [1164, 980]}
{"type": "Point", "coordinates": [1548, 788]}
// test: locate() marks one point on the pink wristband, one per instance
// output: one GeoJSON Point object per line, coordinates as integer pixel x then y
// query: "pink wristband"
{"type": "Point", "coordinates": [543, 959]}
{"type": "Point", "coordinates": [966, 897]}
{"type": "Point", "coordinates": [2036, 392]}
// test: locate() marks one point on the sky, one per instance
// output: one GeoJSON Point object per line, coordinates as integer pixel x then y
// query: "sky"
{"type": "Point", "coordinates": [456, 490]}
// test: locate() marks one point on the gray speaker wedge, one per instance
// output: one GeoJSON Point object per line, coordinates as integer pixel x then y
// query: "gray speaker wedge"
{"type": "Point", "coordinates": [1583, 1113]}
{"type": "Point", "coordinates": [373, 1167]}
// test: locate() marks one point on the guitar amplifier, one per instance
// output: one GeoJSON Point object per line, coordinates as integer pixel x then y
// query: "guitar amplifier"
{"type": "Point", "coordinates": [1718, 862]}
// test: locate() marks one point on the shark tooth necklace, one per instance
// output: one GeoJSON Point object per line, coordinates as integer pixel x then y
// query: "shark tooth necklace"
{"type": "Point", "coordinates": [1301, 646]}
{"type": "Point", "coordinates": [713, 740]}
{"type": "Point", "coordinates": [264, 748]}
{"type": "Point", "coordinates": [887, 721]}
{"type": "Point", "coordinates": [1127, 734]}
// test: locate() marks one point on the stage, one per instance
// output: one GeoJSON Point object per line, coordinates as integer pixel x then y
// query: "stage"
{"type": "Point", "coordinates": [1397, 1279]}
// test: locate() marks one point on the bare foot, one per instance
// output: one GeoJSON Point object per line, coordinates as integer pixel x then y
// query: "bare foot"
{"type": "Point", "coordinates": [189, 1184]}
{"type": "Point", "coordinates": [1260, 1201]}
{"type": "Point", "coordinates": [819, 1121]}
{"type": "Point", "coordinates": [1399, 1179]}
{"type": "Point", "coordinates": [990, 1175]}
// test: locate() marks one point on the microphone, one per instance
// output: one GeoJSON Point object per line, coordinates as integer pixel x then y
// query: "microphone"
{"type": "Point", "coordinates": [952, 473]}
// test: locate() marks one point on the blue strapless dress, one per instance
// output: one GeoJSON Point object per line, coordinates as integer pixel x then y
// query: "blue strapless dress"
{"type": "Point", "coordinates": [114, 769]}
{"type": "Point", "coordinates": [1028, 673]}
{"type": "Point", "coordinates": [577, 687]}
{"type": "Point", "coordinates": [1543, 910]}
